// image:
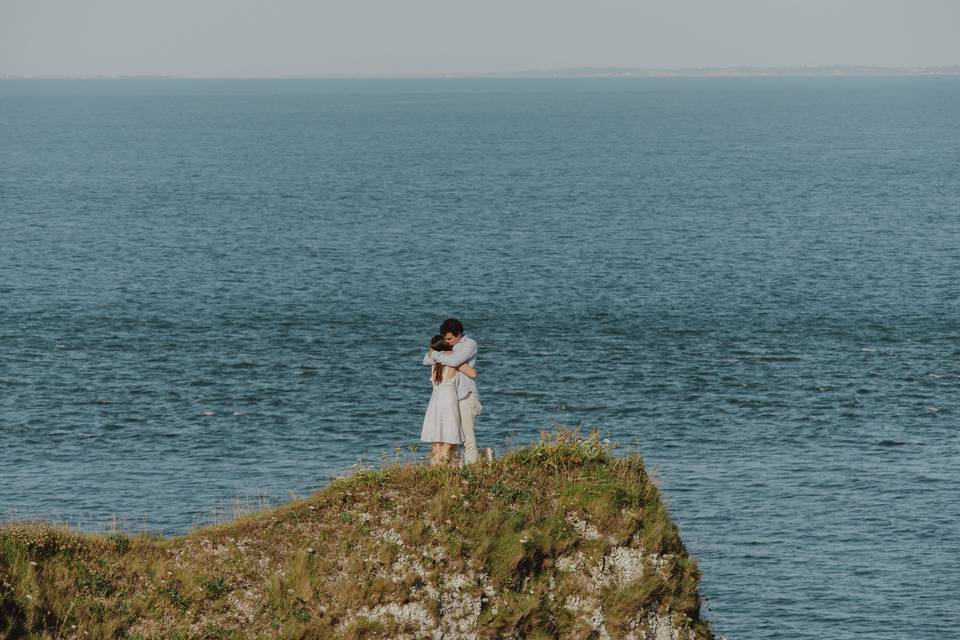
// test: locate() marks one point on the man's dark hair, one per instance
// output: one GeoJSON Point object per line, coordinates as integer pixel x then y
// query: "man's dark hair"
{"type": "Point", "coordinates": [451, 325]}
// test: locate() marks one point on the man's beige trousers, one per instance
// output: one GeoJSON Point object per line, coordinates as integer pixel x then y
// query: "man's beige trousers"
{"type": "Point", "coordinates": [469, 410]}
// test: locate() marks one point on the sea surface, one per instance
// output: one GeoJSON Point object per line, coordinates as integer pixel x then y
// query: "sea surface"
{"type": "Point", "coordinates": [214, 295]}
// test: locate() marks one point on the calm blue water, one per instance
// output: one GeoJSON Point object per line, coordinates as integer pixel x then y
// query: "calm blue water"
{"type": "Point", "coordinates": [219, 290]}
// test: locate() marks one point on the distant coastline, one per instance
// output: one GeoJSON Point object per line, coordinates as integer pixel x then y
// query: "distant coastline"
{"type": "Point", "coordinates": [581, 72]}
{"type": "Point", "coordinates": [735, 72]}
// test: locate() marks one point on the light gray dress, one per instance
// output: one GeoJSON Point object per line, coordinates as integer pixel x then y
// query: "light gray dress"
{"type": "Point", "coordinates": [442, 422]}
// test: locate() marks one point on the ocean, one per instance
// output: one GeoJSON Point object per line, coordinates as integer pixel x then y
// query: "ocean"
{"type": "Point", "coordinates": [214, 296]}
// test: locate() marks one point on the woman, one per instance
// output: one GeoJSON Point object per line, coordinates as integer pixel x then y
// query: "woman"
{"type": "Point", "coordinates": [441, 425]}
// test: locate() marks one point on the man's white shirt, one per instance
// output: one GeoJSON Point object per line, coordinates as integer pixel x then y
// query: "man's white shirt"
{"type": "Point", "coordinates": [463, 351]}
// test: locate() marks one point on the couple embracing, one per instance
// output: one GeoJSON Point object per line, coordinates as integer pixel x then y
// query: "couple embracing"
{"type": "Point", "coordinates": [454, 404]}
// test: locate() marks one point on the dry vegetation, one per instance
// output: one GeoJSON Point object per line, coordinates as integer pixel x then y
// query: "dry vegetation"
{"type": "Point", "coordinates": [557, 540]}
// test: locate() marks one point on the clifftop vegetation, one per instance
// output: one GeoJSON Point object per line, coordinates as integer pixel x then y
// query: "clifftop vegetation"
{"type": "Point", "coordinates": [556, 540]}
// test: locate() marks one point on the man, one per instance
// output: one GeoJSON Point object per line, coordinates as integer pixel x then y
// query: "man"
{"type": "Point", "coordinates": [464, 350]}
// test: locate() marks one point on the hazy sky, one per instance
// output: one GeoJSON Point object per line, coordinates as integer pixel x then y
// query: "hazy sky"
{"type": "Point", "coordinates": [227, 38]}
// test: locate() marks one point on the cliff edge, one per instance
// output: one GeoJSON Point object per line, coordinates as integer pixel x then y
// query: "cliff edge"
{"type": "Point", "coordinates": [557, 540]}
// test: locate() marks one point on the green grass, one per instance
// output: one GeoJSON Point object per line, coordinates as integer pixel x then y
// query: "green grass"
{"type": "Point", "coordinates": [323, 567]}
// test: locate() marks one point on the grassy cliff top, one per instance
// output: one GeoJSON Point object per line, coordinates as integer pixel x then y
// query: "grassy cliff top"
{"type": "Point", "coordinates": [556, 540]}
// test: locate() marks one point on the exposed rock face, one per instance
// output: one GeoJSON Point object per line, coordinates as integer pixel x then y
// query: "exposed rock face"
{"type": "Point", "coordinates": [461, 597]}
{"type": "Point", "coordinates": [558, 540]}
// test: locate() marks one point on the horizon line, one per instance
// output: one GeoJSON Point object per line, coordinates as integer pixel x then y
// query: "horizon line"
{"type": "Point", "coordinates": [836, 70]}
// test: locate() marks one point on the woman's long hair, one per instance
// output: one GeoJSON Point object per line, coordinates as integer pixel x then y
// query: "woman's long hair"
{"type": "Point", "coordinates": [437, 343]}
